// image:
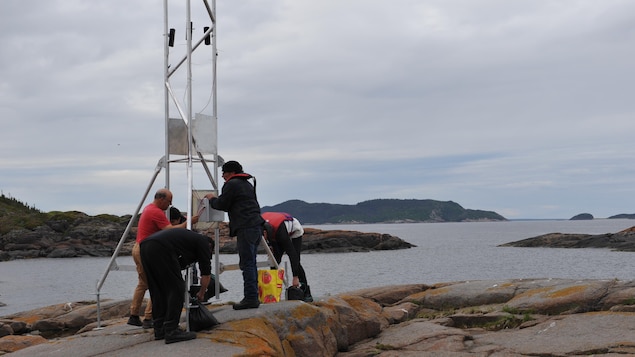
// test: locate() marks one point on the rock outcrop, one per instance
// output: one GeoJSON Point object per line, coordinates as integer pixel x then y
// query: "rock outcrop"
{"type": "Point", "coordinates": [531, 317]}
{"type": "Point", "coordinates": [77, 234]}
{"type": "Point", "coordinates": [326, 241]}
{"type": "Point", "coordinates": [73, 234]}
{"type": "Point", "coordinates": [620, 241]}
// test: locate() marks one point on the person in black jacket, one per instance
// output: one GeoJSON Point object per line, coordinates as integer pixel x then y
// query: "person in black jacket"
{"type": "Point", "coordinates": [164, 255]}
{"type": "Point", "coordinates": [238, 199]}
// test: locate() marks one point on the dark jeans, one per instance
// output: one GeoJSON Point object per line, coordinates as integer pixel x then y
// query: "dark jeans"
{"type": "Point", "coordinates": [293, 247]}
{"type": "Point", "coordinates": [247, 241]}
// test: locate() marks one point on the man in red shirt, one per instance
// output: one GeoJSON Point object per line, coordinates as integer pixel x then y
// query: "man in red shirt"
{"type": "Point", "coordinates": [153, 219]}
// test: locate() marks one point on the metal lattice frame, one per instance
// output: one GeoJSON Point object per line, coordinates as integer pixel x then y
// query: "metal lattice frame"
{"type": "Point", "coordinates": [194, 153]}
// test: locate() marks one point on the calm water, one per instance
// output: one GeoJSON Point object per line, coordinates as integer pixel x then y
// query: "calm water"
{"type": "Point", "coordinates": [444, 252]}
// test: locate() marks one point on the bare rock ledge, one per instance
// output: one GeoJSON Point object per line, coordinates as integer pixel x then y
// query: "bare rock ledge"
{"type": "Point", "coordinates": [530, 317]}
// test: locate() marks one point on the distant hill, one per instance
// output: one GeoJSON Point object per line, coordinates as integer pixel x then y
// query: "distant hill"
{"type": "Point", "coordinates": [16, 214]}
{"type": "Point", "coordinates": [623, 216]}
{"type": "Point", "coordinates": [382, 210]}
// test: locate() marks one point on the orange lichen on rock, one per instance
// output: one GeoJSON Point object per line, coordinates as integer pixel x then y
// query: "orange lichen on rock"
{"type": "Point", "coordinates": [294, 334]}
{"type": "Point", "coordinates": [12, 343]}
{"type": "Point", "coordinates": [567, 291]}
{"type": "Point", "coordinates": [501, 286]}
{"type": "Point", "coordinates": [304, 311]}
{"type": "Point", "coordinates": [362, 305]}
{"type": "Point", "coordinates": [627, 230]}
{"type": "Point", "coordinates": [548, 291]}
{"type": "Point", "coordinates": [29, 319]}
{"type": "Point", "coordinates": [288, 349]}
{"type": "Point", "coordinates": [255, 335]}
{"type": "Point", "coordinates": [536, 291]}
{"type": "Point", "coordinates": [438, 291]}
{"type": "Point", "coordinates": [429, 292]}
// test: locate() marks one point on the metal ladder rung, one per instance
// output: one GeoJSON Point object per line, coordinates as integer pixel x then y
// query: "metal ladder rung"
{"type": "Point", "coordinates": [271, 262]}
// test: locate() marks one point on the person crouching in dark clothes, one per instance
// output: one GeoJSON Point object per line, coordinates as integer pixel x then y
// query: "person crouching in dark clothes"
{"type": "Point", "coordinates": [164, 255]}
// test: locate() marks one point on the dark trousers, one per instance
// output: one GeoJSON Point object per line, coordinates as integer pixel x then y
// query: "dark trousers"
{"type": "Point", "coordinates": [165, 282]}
{"type": "Point", "coordinates": [247, 241]}
{"type": "Point", "coordinates": [284, 244]}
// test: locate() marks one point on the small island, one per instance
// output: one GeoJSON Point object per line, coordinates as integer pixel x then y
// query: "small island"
{"type": "Point", "coordinates": [582, 217]}
{"type": "Point", "coordinates": [620, 241]}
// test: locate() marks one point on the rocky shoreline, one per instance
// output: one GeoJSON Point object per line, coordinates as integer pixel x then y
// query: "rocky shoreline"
{"type": "Point", "coordinates": [522, 317]}
{"type": "Point", "coordinates": [620, 241]}
{"type": "Point", "coordinates": [81, 235]}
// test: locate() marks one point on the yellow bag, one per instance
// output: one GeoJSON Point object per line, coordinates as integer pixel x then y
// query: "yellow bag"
{"type": "Point", "coordinates": [270, 283]}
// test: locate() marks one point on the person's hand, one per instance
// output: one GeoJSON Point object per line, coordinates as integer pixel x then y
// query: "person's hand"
{"type": "Point", "coordinates": [296, 281]}
{"type": "Point", "coordinates": [209, 196]}
{"type": "Point", "coordinates": [200, 295]}
{"type": "Point", "coordinates": [194, 219]}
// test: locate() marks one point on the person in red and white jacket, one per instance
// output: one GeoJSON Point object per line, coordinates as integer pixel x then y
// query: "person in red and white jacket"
{"type": "Point", "coordinates": [284, 233]}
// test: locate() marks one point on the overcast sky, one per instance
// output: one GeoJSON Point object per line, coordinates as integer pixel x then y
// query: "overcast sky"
{"type": "Point", "coordinates": [522, 107]}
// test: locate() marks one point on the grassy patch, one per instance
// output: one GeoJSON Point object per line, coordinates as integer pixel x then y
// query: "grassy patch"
{"type": "Point", "coordinates": [507, 322]}
{"type": "Point", "coordinates": [516, 311]}
{"type": "Point", "coordinates": [435, 314]}
{"type": "Point", "coordinates": [383, 347]}
{"type": "Point", "coordinates": [510, 310]}
{"type": "Point", "coordinates": [629, 301]}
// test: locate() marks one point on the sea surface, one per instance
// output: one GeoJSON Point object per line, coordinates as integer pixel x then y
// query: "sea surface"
{"type": "Point", "coordinates": [445, 252]}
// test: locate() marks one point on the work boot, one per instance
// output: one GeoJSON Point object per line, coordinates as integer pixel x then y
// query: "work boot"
{"type": "Point", "coordinates": [174, 334]}
{"type": "Point", "coordinates": [307, 294]}
{"type": "Point", "coordinates": [134, 320]}
{"type": "Point", "coordinates": [179, 335]}
{"type": "Point", "coordinates": [159, 331]}
{"type": "Point", "coordinates": [247, 304]}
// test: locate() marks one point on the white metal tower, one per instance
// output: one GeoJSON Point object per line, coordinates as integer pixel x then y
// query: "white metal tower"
{"type": "Point", "coordinates": [190, 134]}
